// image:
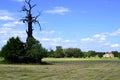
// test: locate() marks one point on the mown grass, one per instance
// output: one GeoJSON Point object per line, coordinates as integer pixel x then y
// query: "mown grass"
{"type": "Point", "coordinates": [81, 59]}
{"type": "Point", "coordinates": [63, 69]}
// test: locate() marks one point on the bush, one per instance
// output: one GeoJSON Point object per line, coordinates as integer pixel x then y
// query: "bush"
{"type": "Point", "coordinates": [35, 51]}
{"type": "Point", "coordinates": [73, 52]}
{"type": "Point", "coordinates": [17, 52]}
{"type": "Point", "coordinates": [69, 52]}
{"type": "Point", "coordinates": [91, 53]}
{"type": "Point", "coordinates": [14, 50]}
{"type": "Point", "coordinates": [51, 53]}
{"type": "Point", "coordinates": [59, 52]}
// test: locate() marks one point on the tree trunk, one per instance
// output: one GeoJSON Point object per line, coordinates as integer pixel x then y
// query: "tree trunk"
{"type": "Point", "coordinates": [30, 29]}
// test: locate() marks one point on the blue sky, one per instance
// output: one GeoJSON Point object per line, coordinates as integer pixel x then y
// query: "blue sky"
{"type": "Point", "coordinates": [86, 24]}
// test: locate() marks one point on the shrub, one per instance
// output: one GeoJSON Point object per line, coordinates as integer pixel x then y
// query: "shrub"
{"type": "Point", "coordinates": [59, 52]}
{"type": "Point", "coordinates": [73, 52]}
{"type": "Point", "coordinates": [13, 51]}
{"type": "Point", "coordinates": [18, 52]}
{"type": "Point", "coordinates": [69, 52]}
{"type": "Point", "coordinates": [35, 52]}
{"type": "Point", "coordinates": [91, 53]}
{"type": "Point", "coordinates": [51, 53]}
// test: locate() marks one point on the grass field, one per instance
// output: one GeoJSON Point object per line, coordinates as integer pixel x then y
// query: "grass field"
{"type": "Point", "coordinates": [63, 69]}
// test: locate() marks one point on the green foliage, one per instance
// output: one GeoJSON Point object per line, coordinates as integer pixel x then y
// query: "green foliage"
{"type": "Point", "coordinates": [13, 51]}
{"type": "Point", "coordinates": [119, 55]}
{"type": "Point", "coordinates": [69, 52]}
{"type": "Point", "coordinates": [91, 53]}
{"type": "Point", "coordinates": [73, 52]}
{"type": "Point", "coordinates": [16, 51]}
{"type": "Point", "coordinates": [51, 53]}
{"type": "Point", "coordinates": [116, 53]}
{"type": "Point", "coordinates": [35, 51]}
{"type": "Point", "coordinates": [77, 53]}
{"type": "Point", "coordinates": [59, 52]}
{"type": "Point", "coordinates": [85, 55]}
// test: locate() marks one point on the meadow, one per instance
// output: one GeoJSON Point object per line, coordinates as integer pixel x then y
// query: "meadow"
{"type": "Point", "coordinates": [63, 69]}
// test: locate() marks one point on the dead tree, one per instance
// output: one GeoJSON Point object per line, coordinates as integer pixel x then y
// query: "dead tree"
{"type": "Point", "coordinates": [29, 18]}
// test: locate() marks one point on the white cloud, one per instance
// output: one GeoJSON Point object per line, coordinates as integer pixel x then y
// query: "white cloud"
{"type": "Point", "coordinates": [58, 10]}
{"type": "Point", "coordinates": [48, 32]}
{"type": "Point", "coordinates": [5, 13]}
{"type": "Point", "coordinates": [96, 37]}
{"type": "Point", "coordinates": [9, 32]}
{"type": "Point", "coordinates": [87, 39]}
{"type": "Point", "coordinates": [106, 44]}
{"type": "Point", "coordinates": [57, 40]}
{"type": "Point", "coordinates": [8, 27]}
{"type": "Point", "coordinates": [53, 40]}
{"type": "Point", "coordinates": [69, 41]}
{"type": "Point", "coordinates": [44, 39]}
{"type": "Point", "coordinates": [12, 24]}
{"type": "Point", "coordinates": [4, 39]}
{"type": "Point", "coordinates": [115, 33]}
{"type": "Point", "coordinates": [97, 42]}
{"type": "Point", "coordinates": [6, 18]}
{"type": "Point", "coordinates": [100, 37]}
{"type": "Point", "coordinates": [115, 45]}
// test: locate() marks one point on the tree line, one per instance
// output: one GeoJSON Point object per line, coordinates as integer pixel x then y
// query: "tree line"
{"type": "Point", "coordinates": [77, 53]}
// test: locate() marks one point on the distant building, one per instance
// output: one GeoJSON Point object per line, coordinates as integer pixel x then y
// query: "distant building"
{"type": "Point", "coordinates": [108, 55]}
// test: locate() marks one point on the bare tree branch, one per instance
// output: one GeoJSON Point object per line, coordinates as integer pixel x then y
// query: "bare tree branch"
{"type": "Point", "coordinates": [33, 6]}
{"type": "Point", "coordinates": [37, 16]}
{"type": "Point", "coordinates": [38, 24]}
{"type": "Point", "coordinates": [30, 19]}
{"type": "Point", "coordinates": [24, 20]}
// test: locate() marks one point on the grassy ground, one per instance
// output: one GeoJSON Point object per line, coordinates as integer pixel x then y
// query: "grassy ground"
{"type": "Point", "coordinates": [63, 69]}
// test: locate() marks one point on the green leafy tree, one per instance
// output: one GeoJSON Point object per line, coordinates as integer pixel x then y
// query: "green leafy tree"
{"type": "Point", "coordinates": [59, 52]}
{"type": "Point", "coordinates": [69, 52]}
{"type": "Point", "coordinates": [14, 50]}
{"type": "Point", "coordinates": [116, 53]}
{"type": "Point", "coordinates": [35, 51]}
{"type": "Point", "coordinates": [73, 52]}
{"type": "Point", "coordinates": [91, 53]}
{"type": "Point", "coordinates": [85, 54]}
{"type": "Point", "coordinates": [51, 53]}
{"type": "Point", "coordinates": [100, 54]}
{"type": "Point", "coordinates": [78, 52]}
